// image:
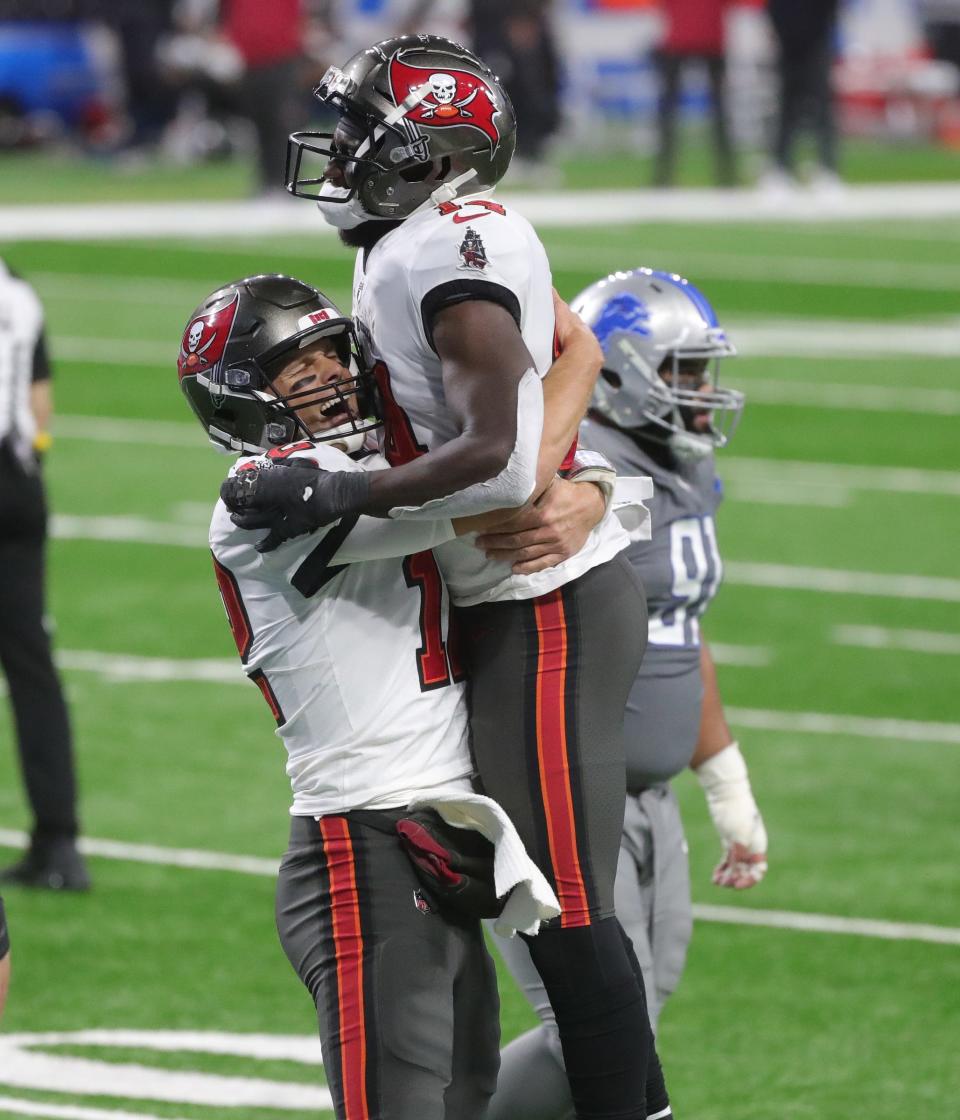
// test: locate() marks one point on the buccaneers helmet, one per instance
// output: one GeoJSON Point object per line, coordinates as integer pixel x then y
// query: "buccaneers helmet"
{"type": "Point", "coordinates": [656, 329]}
{"type": "Point", "coordinates": [420, 118]}
{"type": "Point", "coordinates": [240, 337]}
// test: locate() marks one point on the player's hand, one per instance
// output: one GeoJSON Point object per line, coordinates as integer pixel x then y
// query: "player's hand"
{"type": "Point", "coordinates": [551, 530]}
{"type": "Point", "coordinates": [290, 497]}
{"type": "Point", "coordinates": [736, 817]}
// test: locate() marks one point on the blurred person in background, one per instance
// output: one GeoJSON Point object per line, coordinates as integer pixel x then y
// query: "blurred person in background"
{"type": "Point", "coordinates": [941, 26]}
{"type": "Point", "coordinates": [40, 712]}
{"type": "Point", "coordinates": [694, 33]}
{"type": "Point", "coordinates": [805, 41]}
{"type": "Point", "coordinates": [657, 411]}
{"type": "Point", "coordinates": [245, 58]}
{"type": "Point", "coordinates": [151, 100]}
{"type": "Point", "coordinates": [516, 40]}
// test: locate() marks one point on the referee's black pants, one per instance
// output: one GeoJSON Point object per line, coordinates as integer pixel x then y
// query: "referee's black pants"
{"type": "Point", "coordinates": [39, 709]}
{"type": "Point", "coordinates": [549, 679]}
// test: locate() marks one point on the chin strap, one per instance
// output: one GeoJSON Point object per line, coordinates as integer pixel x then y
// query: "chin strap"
{"type": "Point", "coordinates": [446, 192]}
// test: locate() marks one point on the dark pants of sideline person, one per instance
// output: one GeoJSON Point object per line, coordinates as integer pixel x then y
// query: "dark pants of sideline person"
{"type": "Point", "coordinates": [806, 96]}
{"type": "Point", "coordinates": [39, 709]}
{"type": "Point", "coordinates": [670, 68]}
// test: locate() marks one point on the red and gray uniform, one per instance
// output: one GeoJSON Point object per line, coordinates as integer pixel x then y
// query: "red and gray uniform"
{"type": "Point", "coordinates": [681, 570]}
{"type": "Point", "coordinates": [550, 657]}
{"type": "Point", "coordinates": [344, 638]}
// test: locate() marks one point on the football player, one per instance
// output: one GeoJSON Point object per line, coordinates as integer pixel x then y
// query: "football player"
{"type": "Point", "coordinates": [657, 410]}
{"type": "Point", "coordinates": [452, 294]}
{"type": "Point", "coordinates": [345, 633]}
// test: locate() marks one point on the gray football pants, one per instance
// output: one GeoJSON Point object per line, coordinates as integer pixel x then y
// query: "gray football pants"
{"type": "Point", "coordinates": [652, 895]}
{"type": "Point", "coordinates": [406, 999]}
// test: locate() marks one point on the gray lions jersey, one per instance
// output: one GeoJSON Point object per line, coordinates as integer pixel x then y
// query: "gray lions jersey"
{"type": "Point", "coordinates": [349, 645]}
{"type": "Point", "coordinates": [474, 248]}
{"type": "Point", "coordinates": [681, 570]}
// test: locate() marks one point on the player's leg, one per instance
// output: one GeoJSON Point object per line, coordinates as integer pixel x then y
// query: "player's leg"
{"type": "Point", "coordinates": [722, 140]}
{"type": "Point", "coordinates": [670, 916]}
{"type": "Point", "coordinates": [381, 970]}
{"type": "Point", "coordinates": [476, 1031]}
{"type": "Point", "coordinates": [553, 674]}
{"type": "Point", "coordinates": [39, 708]}
{"type": "Point", "coordinates": [532, 1084]}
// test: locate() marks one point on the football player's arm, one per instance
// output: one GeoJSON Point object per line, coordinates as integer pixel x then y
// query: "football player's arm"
{"type": "Point", "coordinates": [722, 772]}
{"type": "Point", "coordinates": [495, 395]}
{"type": "Point", "coordinates": [41, 395]}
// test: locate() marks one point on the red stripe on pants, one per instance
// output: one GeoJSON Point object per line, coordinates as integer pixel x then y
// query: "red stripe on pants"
{"type": "Point", "coordinates": [553, 759]}
{"type": "Point", "coordinates": [348, 946]}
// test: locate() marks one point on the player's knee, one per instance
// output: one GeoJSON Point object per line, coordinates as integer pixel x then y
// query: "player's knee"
{"type": "Point", "coordinates": [585, 969]}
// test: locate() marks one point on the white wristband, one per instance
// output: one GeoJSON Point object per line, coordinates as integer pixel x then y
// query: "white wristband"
{"type": "Point", "coordinates": [726, 786]}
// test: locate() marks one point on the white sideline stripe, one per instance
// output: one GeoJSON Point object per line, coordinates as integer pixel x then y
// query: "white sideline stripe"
{"type": "Point", "coordinates": [827, 923]}
{"type": "Point", "coordinates": [251, 865]}
{"type": "Point", "coordinates": [881, 637]}
{"type": "Point", "coordinates": [199, 220]}
{"type": "Point", "coordinates": [841, 582]}
{"type": "Point", "coordinates": [70, 1112]}
{"type": "Point", "coordinates": [863, 727]}
{"type": "Point", "coordinates": [131, 667]}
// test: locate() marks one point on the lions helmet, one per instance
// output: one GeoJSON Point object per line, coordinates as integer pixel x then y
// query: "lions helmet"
{"type": "Point", "coordinates": [240, 337]}
{"type": "Point", "coordinates": [653, 327]}
{"type": "Point", "coordinates": [420, 118]}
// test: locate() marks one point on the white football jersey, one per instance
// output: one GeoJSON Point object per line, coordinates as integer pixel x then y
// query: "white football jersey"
{"type": "Point", "coordinates": [473, 248]}
{"type": "Point", "coordinates": [349, 645]}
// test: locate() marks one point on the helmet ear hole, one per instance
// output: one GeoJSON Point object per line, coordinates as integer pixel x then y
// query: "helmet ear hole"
{"type": "Point", "coordinates": [612, 378]}
{"type": "Point", "coordinates": [417, 173]}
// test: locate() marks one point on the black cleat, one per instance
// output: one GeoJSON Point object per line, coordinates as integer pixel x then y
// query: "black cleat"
{"type": "Point", "coordinates": [54, 865]}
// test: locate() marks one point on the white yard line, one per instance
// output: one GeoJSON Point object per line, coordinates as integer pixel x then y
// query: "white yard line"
{"type": "Point", "coordinates": [747, 471]}
{"type": "Point", "coordinates": [860, 727]}
{"type": "Point", "coordinates": [859, 398]}
{"type": "Point", "coordinates": [833, 338]}
{"type": "Point", "coordinates": [13, 1106]}
{"type": "Point", "coordinates": [205, 220]}
{"type": "Point", "coordinates": [779, 919]}
{"type": "Point", "coordinates": [837, 581]}
{"type": "Point", "coordinates": [885, 480]}
{"type": "Point", "coordinates": [827, 923]}
{"type": "Point", "coordinates": [737, 572]}
{"type": "Point", "coordinates": [126, 667]}
{"type": "Point", "coordinates": [913, 641]}
{"type": "Point", "coordinates": [756, 657]}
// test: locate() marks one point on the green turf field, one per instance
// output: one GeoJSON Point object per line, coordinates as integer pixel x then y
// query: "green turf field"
{"type": "Point", "coordinates": [841, 613]}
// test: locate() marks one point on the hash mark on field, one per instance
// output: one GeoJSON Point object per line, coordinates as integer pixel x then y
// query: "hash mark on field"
{"type": "Point", "coordinates": [740, 915]}
{"type": "Point", "coordinates": [881, 637]}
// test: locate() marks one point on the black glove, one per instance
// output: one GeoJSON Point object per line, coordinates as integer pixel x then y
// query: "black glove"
{"type": "Point", "coordinates": [291, 497]}
{"type": "Point", "coordinates": [454, 865]}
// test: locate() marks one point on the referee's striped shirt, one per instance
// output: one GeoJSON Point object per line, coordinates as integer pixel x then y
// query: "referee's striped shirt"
{"type": "Point", "coordinates": [23, 360]}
